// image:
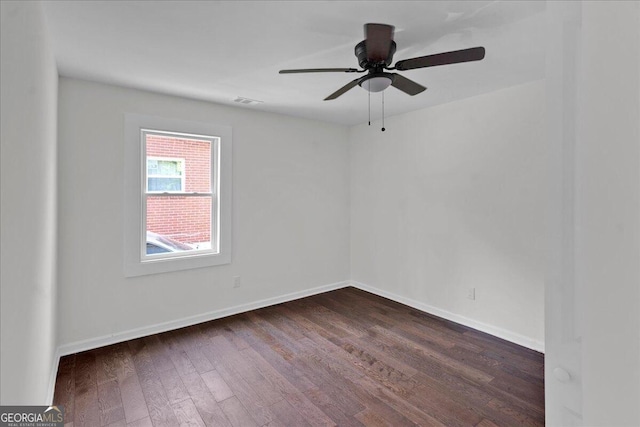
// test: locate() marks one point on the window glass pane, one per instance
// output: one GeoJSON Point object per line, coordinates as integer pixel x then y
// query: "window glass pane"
{"type": "Point", "coordinates": [179, 223]}
{"type": "Point", "coordinates": [194, 164]}
{"type": "Point", "coordinates": [154, 249]}
{"type": "Point", "coordinates": [169, 168]}
{"type": "Point", "coordinates": [152, 167]}
{"type": "Point", "coordinates": [164, 184]}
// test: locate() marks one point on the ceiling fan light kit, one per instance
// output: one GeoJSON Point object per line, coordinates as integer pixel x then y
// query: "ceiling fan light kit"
{"type": "Point", "coordinates": [375, 83]}
{"type": "Point", "coordinates": [375, 55]}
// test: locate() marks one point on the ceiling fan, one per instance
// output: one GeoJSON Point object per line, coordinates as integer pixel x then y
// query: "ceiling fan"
{"type": "Point", "coordinates": [375, 54]}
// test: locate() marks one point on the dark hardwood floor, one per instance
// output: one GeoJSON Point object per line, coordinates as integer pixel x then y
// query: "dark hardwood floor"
{"type": "Point", "coordinates": [346, 358]}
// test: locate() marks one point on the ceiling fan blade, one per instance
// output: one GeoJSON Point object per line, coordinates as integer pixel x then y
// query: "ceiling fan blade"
{"type": "Point", "coordinates": [406, 85]}
{"type": "Point", "coordinates": [320, 70]}
{"type": "Point", "coordinates": [378, 39]}
{"type": "Point", "coordinates": [342, 90]}
{"type": "Point", "coordinates": [453, 57]}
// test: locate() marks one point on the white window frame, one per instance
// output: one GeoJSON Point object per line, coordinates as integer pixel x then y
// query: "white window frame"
{"type": "Point", "coordinates": [182, 177]}
{"type": "Point", "coordinates": [136, 261]}
{"type": "Point", "coordinates": [214, 180]}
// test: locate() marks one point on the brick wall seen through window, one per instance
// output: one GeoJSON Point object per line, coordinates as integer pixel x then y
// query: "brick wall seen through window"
{"type": "Point", "coordinates": [186, 219]}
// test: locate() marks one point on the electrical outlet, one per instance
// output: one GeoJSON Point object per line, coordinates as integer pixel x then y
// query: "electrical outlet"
{"type": "Point", "coordinates": [471, 293]}
{"type": "Point", "coordinates": [236, 281]}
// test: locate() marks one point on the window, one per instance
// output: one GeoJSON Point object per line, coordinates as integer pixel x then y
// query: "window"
{"type": "Point", "coordinates": [177, 195]}
{"type": "Point", "coordinates": [180, 196]}
{"type": "Point", "coordinates": [165, 175]}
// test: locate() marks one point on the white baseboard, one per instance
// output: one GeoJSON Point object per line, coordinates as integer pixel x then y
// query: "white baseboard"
{"type": "Point", "coordinates": [89, 344]}
{"type": "Point", "coordinates": [52, 376]}
{"type": "Point", "coordinates": [483, 327]}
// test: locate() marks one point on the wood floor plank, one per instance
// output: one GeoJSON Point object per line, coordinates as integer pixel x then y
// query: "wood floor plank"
{"type": "Point", "coordinates": [187, 414]}
{"type": "Point", "coordinates": [86, 412]}
{"type": "Point", "coordinates": [217, 386]}
{"type": "Point", "coordinates": [357, 310]}
{"type": "Point", "coordinates": [321, 372]}
{"type": "Point", "coordinates": [271, 334]}
{"type": "Point", "coordinates": [313, 313]}
{"type": "Point", "coordinates": [370, 418]}
{"type": "Point", "coordinates": [400, 404]}
{"type": "Point", "coordinates": [114, 362]}
{"type": "Point", "coordinates": [450, 412]}
{"type": "Point", "coordinates": [236, 413]}
{"type": "Point", "coordinates": [188, 338]}
{"type": "Point", "coordinates": [85, 372]}
{"type": "Point", "coordinates": [277, 356]}
{"type": "Point", "coordinates": [429, 337]}
{"type": "Point", "coordinates": [65, 392]}
{"type": "Point", "coordinates": [439, 324]}
{"type": "Point", "coordinates": [253, 403]}
{"type": "Point", "coordinates": [176, 353]}
{"type": "Point", "coordinates": [336, 361]}
{"type": "Point", "coordinates": [487, 341]}
{"type": "Point", "coordinates": [227, 331]}
{"type": "Point", "coordinates": [158, 405]}
{"type": "Point", "coordinates": [288, 415]}
{"type": "Point", "coordinates": [234, 361]}
{"type": "Point", "coordinates": [428, 353]}
{"type": "Point", "coordinates": [328, 405]}
{"type": "Point", "coordinates": [202, 398]}
{"type": "Point", "coordinates": [507, 360]}
{"type": "Point", "coordinates": [345, 358]}
{"type": "Point", "coordinates": [143, 422]}
{"type": "Point", "coordinates": [308, 410]}
{"type": "Point", "coordinates": [110, 403]}
{"type": "Point", "coordinates": [454, 389]}
{"type": "Point", "coordinates": [379, 406]}
{"type": "Point", "coordinates": [278, 382]}
{"type": "Point", "coordinates": [385, 375]}
{"type": "Point", "coordinates": [173, 386]}
{"type": "Point", "coordinates": [158, 353]}
{"type": "Point", "coordinates": [67, 364]}
{"type": "Point", "coordinates": [514, 414]}
{"type": "Point", "coordinates": [317, 345]}
{"type": "Point", "coordinates": [292, 329]}
{"type": "Point", "coordinates": [135, 407]}
{"type": "Point", "coordinates": [330, 320]}
{"type": "Point", "coordinates": [105, 365]}
{"type": "Point", "coordinates": [521, 390]}
{"type": "Point", "coordinates": [359, 298]}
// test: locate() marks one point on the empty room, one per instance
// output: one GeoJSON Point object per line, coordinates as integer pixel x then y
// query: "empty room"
{"type": "Point", "coordinates": [320, 213]}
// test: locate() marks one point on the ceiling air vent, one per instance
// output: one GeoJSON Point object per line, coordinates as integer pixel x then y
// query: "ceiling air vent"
{"type": "Point", "coordinates": [246, 101]}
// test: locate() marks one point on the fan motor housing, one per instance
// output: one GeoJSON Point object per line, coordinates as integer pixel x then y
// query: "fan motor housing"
{"type": "Point", "coordinates": [361, 54]}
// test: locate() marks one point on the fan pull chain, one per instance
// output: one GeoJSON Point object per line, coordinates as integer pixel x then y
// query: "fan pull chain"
{"type": "Point", "coordinates": [383, 129]}
{"type": "Point", "coordinates": [369, 108]}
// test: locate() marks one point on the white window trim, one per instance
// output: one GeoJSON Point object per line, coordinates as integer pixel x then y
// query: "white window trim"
{"type": "Point", "coordinates": [183, 177]}
{"type": "Point", "coordinates": [135, 263]}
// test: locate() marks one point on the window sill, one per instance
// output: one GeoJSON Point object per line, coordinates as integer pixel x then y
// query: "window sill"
{"type": "Point", "coordinates": [165, 265]}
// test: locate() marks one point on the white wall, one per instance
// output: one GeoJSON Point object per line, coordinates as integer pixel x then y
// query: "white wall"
{"type": "Point", "coordinates": [451, 198]}
{"type": "Point", "coordinates": [563, 340]}
{"type": "Point", "coordinates": [608, 212]}
{"type": "Point", "coordinates": [29, 84]}
{"type": "Point", "coordinates": [290, 212]}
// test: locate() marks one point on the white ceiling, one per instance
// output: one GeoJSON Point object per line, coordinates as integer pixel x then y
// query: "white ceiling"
{"type": "Point", "coordinates": [217, 51]}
